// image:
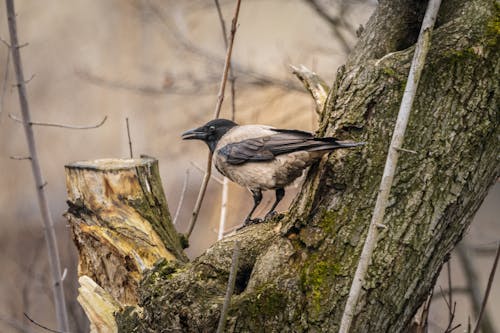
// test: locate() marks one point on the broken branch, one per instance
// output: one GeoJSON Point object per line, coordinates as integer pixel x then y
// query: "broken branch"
{"type": "Point", "coordinates": [38, 123]}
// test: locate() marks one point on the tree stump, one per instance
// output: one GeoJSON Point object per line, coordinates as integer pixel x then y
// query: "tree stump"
{"type": "Point", "coordinates": [121, 224]}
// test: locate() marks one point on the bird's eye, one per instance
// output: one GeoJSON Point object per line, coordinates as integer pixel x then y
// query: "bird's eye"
{"type": "Point", "coordinates": [211, 128]}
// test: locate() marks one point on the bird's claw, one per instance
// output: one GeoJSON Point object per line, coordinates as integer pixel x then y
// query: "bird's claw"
{"type": "Point", "coordinates": [252, 221]}
{"type": "Point", "coordinates": [248, 222]}
{"type": "Point", "coordinates": [270, 215]}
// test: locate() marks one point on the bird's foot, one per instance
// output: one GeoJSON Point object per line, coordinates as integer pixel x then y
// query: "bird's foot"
{"type": "Point", "coordinates": [252, 221]}
{"type": "Point", "coordinates": [248, 222]}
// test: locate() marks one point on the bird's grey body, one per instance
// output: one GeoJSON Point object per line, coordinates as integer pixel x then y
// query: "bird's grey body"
{"type": "Point", "coordinates": [277, 172]}
{"type": "Point", "coordinates": [261, 157]}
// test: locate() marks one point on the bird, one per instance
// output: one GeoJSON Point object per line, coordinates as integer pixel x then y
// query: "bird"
{"type": "Point", "coordinates": [261, 157]}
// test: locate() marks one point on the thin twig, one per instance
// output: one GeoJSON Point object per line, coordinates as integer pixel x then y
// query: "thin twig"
{"type": "Point", "coordinates": [4, 81]}
{"type": "Point", "coordinates": [488, 289]}
{"type": "Point", "coordinates": [25, 81]}
{"type": "Point", "coordinates": [475, 295]}
{"type": "Point", "coordinates": [214, 177]}
{"type": "Point", "coordinates": [483, 250]}
{"type": "Point", "coordinates": [77, 127]}
{"type": "Point", "coordinates": [232, 81]}
{"type": "Point", "coordinates": [248, 74]}
{"type": "Point", "coordinates": [417, 65]}
{"type": "Point", "coordinates": [222, 22]}
{"type": "Point", "coordinates": [453, 328]}
{"type": "Point", "coordinates": [195, 88]}
{"type": "Point", "coordinates": [181, 199]}
{"type": "Point", "coordinates": [425, 313]}
{"type": "Point", "coordinates": [230, 287]}
{"type": "Point", "coordinates": [450, 291]}
{"type": "Point", "coordinates": [455, 290]}
{"type": "Point", "coordinates": [451, 313]}
{"type": "Point", "coordinates": [50, 236]}
{"type": "Point", "coordinates": [218, 106]}
{"type": "Point", "coordinates": [334, 24]}
{"type": "Point", "coordinates": [6, 43]}
{"type": "Point", "coordinates": [40, 325]}
{"type": "Point", "coordinates": [20, 158]}
{"type": "Point", "coordinates": [227, 61]}
{"type": "Point", "coordinates": [201, 195]}
{"type": "Point", "coordinates": [129, 140]}
{"type": "Point", "coordinates": [232, 77]}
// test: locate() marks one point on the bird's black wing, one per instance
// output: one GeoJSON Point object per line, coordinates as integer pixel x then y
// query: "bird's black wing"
{"type": "Point", "coordinates": [265, 148]}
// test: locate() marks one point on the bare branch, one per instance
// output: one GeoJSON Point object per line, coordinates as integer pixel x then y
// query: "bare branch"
{"type": "Point", "coordinates": [40, 325]}
{"type": "Point", "coordinates": [25, 81]}
{"type": "Point", "coordinates": [129, 140]}
{"type": "Point", "coordinates": [181, 199]}
{"type": "Point", "coordinates": [232, 78]}
{"type": "Point", "coordinates": [230, 287]}
{"type": "Point", "coordinates": [417, 65]}
{"type": "Point", "coordinates": [222, 22]}
{"type": "Point", "coordinates": [425, 313]}
{"type": "Point", "coordinates": [453, 328]}
{"type": "Point", "coordinates": [488, 290]}
{"type": "Point", "coordinates": [334, 23]}
{"type": "Point", "coordinates": [20, 158]}
{"type": "Point", "coordinates": [455, 290]}
{"type": "Point", "coordinates": [227, 61]}
{"type": "Point", "coordinates": [249, 75]}
{"type": "Point", "coordinates": [451, 311]}
{"type": "Point", "coordinates": [220, 99]}
{"type": "Point", "coordinates": [194, 88]}
{"type": "Point", "coordinates": [472, 278]}
{"type": "Point", "coordinates": [232, 81]}
{"type": "Point", "coordinates": [483, 250]}
{"type": "Point", "coordinates": [5, 42]}
{"type": "Point", "coordinates": [50, 236]}
{"type": "Point", "coordinates": [450, 291]}
{"type": "Point", "coordinates": [37, 123]}
{"type": "Point", "coordinates": [201, 195]}
{"type": "Point", "coordinates": [4, 81]}
{"type": "Point", "coordinates": [214, 177]}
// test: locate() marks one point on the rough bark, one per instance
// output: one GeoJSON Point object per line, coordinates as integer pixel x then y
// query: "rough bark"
{"type": "Point", "coordinates": [295, 273]}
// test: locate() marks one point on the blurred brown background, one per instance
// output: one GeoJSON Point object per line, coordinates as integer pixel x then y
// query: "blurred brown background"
{"type": "Point", "coordinates": [158, 63]}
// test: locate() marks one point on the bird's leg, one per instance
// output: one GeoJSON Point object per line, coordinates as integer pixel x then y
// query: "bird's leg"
{"type": "Point", "coordinates": [257, 198]}
{"type": "Point", "coordinates": [280, 193]}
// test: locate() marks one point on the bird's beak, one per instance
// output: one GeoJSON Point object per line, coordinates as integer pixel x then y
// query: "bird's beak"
{"type": "Point", "coordinates": [194, 134]}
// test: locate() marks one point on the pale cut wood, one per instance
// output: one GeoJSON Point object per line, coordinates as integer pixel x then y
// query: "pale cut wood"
{"type": "Point", "coordinates": [98, 305]}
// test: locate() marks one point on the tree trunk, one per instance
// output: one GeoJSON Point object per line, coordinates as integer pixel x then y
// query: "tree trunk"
{"type": "Point", "coordinates": [295, 272]}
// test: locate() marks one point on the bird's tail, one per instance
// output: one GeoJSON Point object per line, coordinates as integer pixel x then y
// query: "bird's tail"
{"type": "Point", "coordinates": [349, 144]}
{"type": "Point", "coordinates": [332, 144]}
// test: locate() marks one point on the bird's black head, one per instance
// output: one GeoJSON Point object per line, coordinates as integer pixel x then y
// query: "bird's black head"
{"type": "Point", "coordinates": [211, 132]}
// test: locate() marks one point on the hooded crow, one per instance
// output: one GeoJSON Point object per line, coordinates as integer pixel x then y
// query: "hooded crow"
{"type": "Point", "coordinates": [261, 157]}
